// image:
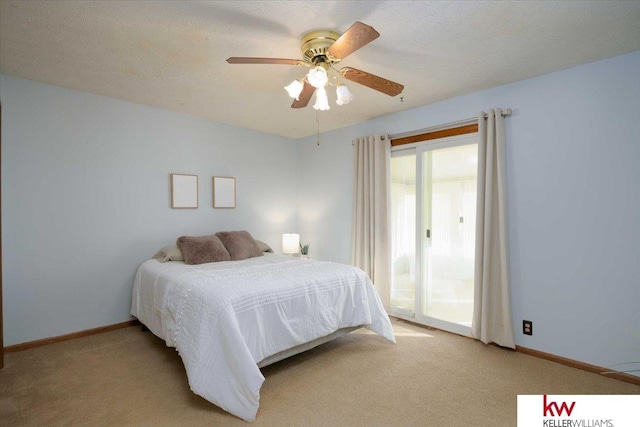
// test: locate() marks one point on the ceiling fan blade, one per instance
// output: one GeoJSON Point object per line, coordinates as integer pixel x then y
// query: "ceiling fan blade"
{"type": "Point", "coordinates": [305, 96]}
{"type": "Point", "coordinates": [354, 38]}
{"type": "Point", "coordinates": [277, 61]}
{"type": "Point", "coordinates": [374, 82]}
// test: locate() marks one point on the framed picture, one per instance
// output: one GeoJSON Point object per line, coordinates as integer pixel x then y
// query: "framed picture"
{"type": "Point", "coordinates": [184, 191]}
{"type": "Point", "coordinates": [224, 192]}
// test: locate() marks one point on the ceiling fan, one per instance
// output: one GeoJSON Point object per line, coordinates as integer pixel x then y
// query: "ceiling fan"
{"type": "Point", "coordinates": [321, 49]}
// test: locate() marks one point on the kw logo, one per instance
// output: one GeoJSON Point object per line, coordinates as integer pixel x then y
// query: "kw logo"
{"type": "Point", "coordinates": [549, 407]}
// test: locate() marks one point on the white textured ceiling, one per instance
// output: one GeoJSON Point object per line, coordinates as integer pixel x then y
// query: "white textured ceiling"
{"type": "Point", "coordinates": [171, 54]}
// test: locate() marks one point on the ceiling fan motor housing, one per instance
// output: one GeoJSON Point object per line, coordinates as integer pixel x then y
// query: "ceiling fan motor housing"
{"type": "Point", "coordinates": [315, 44]}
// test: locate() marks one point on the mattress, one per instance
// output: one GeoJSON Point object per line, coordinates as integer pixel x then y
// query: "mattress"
{"type": "Point", "coordinates": [228, 318]}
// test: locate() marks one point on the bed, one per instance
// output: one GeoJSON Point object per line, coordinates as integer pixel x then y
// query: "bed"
{"type": "Point", "coordinates": [227, 319]}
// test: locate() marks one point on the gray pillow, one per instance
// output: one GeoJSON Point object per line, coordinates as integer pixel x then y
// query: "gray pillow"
{"type": "Point", "coordinates": [169, 253]}
{"type": "Point", "coordinates": [203, 249]}
{"type": "Point", "coordinates": [239, 244]}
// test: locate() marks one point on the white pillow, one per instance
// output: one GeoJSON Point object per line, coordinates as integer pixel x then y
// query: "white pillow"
{"type": "Point", "coordinates": [169, 253]}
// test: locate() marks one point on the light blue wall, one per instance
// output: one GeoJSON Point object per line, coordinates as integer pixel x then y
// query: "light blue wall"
{"type": "Point", "coordinates": [85, 199]}
{"type": "Point", "coordinates": [573, 154]}
{"type": "Point", "coordinates": [85, 183]}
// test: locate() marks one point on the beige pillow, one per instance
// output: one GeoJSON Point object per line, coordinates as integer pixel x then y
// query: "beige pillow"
{"type": "Point", "coordinates": [240, 244]}
{"type": "Point", "coordinates": [169, 253]}
{"type": "Point", "coordinates": [203, 249]}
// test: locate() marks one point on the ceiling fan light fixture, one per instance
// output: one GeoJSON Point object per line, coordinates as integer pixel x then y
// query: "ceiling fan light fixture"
{"type": "Point", "coordinates": [294, 89]}
{"type": "Point", "coordinates": [322, 49]}
{"type": "Point", "coordinates": [317, 77]}
{"type": "Point", "coordinates": [344, 96]}
{"type": "Point", "coordinates": [322, 102]}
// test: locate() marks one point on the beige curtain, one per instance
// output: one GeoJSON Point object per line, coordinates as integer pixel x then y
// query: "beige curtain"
{"type": "Point", "coordinates": [492, 307]}
{"type": "Point", "coordinates": [370, 232]}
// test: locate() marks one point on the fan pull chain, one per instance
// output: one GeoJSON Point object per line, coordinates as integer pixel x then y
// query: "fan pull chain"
{"type": "Point", "coordinates": [318, 122]}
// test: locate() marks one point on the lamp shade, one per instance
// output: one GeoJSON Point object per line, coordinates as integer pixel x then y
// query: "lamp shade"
{"type": "Point", "coordinates": [322, 102]}
{"type": "Point", "coordinates": [317, 77]}
{"type": "Point", "coordinates": [343, 94]}
{"type": "Point", "coordinates": [290, 243]}
{"type": "Point", "coordinates": [294, 89]}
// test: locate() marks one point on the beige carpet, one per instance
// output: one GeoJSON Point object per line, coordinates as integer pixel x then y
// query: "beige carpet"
{"type": "Point", "coordinates": [430, 378]}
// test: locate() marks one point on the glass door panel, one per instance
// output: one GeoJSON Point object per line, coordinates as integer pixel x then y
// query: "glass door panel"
{"type": "Point", "coordinates": [403, 232]}
{"type": "Point", "coordinates": [448, 221]}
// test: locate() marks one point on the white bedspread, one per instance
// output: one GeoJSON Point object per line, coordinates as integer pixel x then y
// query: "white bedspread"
{"type": "Point", "coordinates": [225, 317]}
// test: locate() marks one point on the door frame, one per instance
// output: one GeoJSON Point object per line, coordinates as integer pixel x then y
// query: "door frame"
{"type": "Point", "coordinates": [419, 148]}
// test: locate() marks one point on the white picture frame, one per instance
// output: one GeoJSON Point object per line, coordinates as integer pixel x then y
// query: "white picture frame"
{"type": "Point", "coordinates": [184, 191]}
{"type": "Point", "coordinates": [224, 192]}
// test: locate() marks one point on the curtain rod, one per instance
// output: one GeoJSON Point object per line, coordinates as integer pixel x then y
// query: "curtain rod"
{"type": "Point", "coordinates": [505, 113]}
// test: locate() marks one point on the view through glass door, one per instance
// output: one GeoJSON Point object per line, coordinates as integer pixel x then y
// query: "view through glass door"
{"type": "Point", "coordinates": [403, 232]}
{"type": "Point", "coordinates": [433, 203]}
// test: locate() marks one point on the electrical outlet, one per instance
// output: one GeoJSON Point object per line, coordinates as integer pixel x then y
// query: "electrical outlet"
{"type": "Point", "coordinates": [527, 327]}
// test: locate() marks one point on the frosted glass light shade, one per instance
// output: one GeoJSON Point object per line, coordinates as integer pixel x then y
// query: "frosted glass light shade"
{"type": "Point", "coordinates": [290, 243]}
{"type": "Point", "coordinates": [322, 102]}
{"type": "Point", "coordinates": [343, 94]}
{"type": "Point", "coordinates": [317, 77]}
{"type": "Point", "coordinates": [294, 89]}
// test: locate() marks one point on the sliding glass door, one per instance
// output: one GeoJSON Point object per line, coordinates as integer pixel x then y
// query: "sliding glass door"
{"type": "Point", "coordinates": [433, 201]}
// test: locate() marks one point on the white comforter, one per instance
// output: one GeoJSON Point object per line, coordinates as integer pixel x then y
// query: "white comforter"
{"type": "Point", "coordinates": [225, 317]}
